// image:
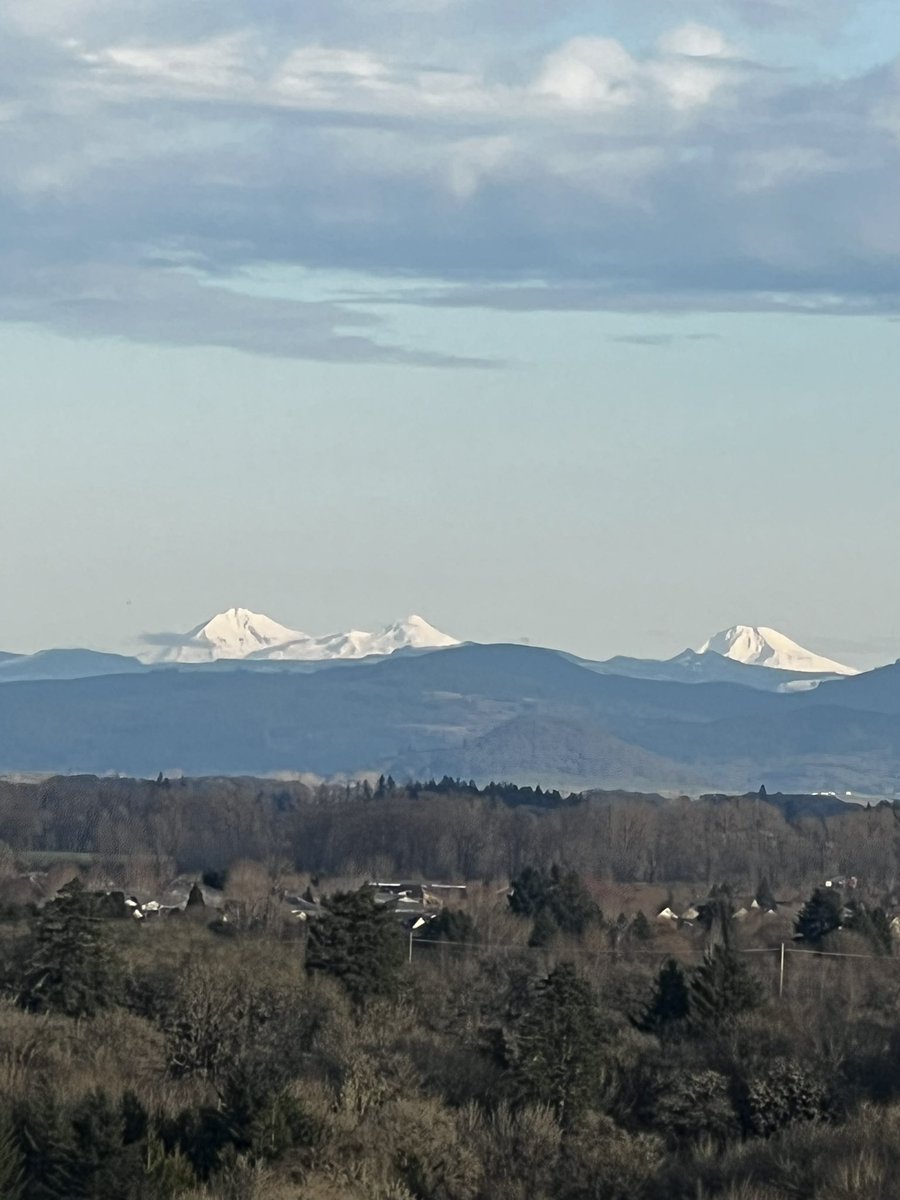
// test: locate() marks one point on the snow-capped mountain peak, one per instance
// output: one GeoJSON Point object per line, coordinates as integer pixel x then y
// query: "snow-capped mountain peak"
{"type": "Point", "coordinates": [235, 633]}
{"type": "Point", "coordinates": [759, 645]}
{"type": "Point", "coordinates": [413, 633]}
{"type": "Point", "coordinates": [238, 633]}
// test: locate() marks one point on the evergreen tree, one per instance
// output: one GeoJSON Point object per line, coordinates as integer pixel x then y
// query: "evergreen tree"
{"type": "Point", "coordinates": [559, 893]}
{"type": "Point", "coordinates": [670, 1001]}
{"type": "Point", "coordinates": [640, 928]}
{"type": "Point", "coordinates": [359, 942]}
{"type": "Point", "coordinates": [721, 989]}
{"type": "Point", "coordinates": [101, 1166]}
{"type": "Point", "coordinates": [764, 896]}
{"type": "Point", "coordinates": [553, 1049]}
{"type": "Point", "coordinates": [450, 925]}
{"type": "Point", "coordinates": [12, 1164]}
{"type": "Point", "coordinates": [820, 915]}
{"type": "Point", "coordinates": [528, 892]}
{"type": "Point", "coordinates": [572, 905]}
{"type": "Point", "coordinates": [544, 929]}
{"type": "Point", "coordinates": [715, 914]}
{"type": "Point", "coordinates": [70, 968]}
{"type": "Point", "coordinates": [872, 924]}
{"type": "Point", "coordinates": [48, 1149]}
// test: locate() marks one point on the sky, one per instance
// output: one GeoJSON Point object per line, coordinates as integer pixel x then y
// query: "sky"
{"type": "Point", "coordinates": [574, 323]}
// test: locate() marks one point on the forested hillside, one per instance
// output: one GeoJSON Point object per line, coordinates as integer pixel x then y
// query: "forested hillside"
{"type": "Point", "coordinates": [482, 712]}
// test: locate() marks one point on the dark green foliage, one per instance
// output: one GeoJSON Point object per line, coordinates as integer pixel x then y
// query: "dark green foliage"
{"type": "Point", "coordinates": [820, 915]}
{"type": "Point", "coordinates": [249, 1118]}
{"type": "Point", "coordinates": [716, 914]}
{"type": "Point", "coordinates": [670, 1002]}
{"type": "Point", "coordinates": [553, 1049]}
{"type": "Point", "coordinates": [101, 1164]}
{"type": "Point", "coordinates": [528, 891]}
{"type": "Point", "coordinates": [12, 1163]}
{"type": "Point", "coordinates": [70, 968]}
{"type": "Point", "coordinates": [640, 928]}
{"type": "Point", "coordinates": [135, 1123]}
{"type": "Point", "coordinates": [48, 1148]}
{"type": "Point", "coordinates": [872, 924]}
{"type": "Point", "coordinates": [544, 930]}
{"type": "Point", "coordinates": [201, 1135]}
{"type": "Point", "coordinates": [782, 1093]}
{"type": "Point", "coordinates": [685, 1105]}
{"type": "Point", "coordinates": [572, 904]}
{"type": "Point", "coordinates": [81, 1152]}
{"type": "Point", "coordinates": [559, 894]}
{"type": "Point", "coordinates": [451, 925]}
{"type": "Point", "coordinates": [721, 989]}
{"type": "Point", "coordinates": [360, 943]}
{"type": "Point", "coordinates": [765, 897]}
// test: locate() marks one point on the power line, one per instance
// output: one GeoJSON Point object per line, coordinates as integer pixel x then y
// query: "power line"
{"type": "Point", "coordinates": [482, 948]}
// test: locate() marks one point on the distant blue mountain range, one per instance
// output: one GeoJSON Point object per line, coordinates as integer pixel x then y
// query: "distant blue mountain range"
{"type": "Point", "coordinates": [478, 711]}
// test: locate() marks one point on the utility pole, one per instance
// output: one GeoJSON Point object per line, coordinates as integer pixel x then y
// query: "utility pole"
{"type": "Point", "coordinates": [780, 973]}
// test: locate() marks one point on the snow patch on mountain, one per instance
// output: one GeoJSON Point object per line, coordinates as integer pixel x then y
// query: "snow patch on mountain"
{"type": "Point", "coordinates": [241, 634]}
{"type": "Point", "coordinates": [758, 645]}
{"type": "Point", "coordinates": [413, 633]}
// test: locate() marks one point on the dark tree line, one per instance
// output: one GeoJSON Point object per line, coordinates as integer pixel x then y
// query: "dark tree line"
{"type": "Point", "coordinates": [452, 830]}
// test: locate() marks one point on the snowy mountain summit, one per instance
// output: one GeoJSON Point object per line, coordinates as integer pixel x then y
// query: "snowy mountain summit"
{"type": "Point", "coordinates": [238, 633]}
{"type": "Point", "coordinates": [757, 645]}
{"type": "Point", "coordinates": [235, 633]}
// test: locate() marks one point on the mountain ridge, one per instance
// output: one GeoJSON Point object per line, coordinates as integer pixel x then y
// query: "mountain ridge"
{"type": "Point", "coordinates": [477, 711]}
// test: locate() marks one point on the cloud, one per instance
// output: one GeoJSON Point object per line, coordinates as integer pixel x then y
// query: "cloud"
{"type": "Point", "coordinates": [661, 340]}
{"type": "Point", "coordinates": [173, 308]}
{"type": "Point", "coordinates": [823, 14]}
{"type": "Point", "coordinates": [153, 155]}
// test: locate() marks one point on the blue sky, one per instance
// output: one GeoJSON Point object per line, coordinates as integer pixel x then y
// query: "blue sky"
{"type": "Point", "coordinates": [579, 329]}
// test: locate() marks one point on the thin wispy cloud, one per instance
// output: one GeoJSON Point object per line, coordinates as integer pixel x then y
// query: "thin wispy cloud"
{"type": "Point", "coordinates": [661, 340]}
{"type": "Point", "coordinates": [586, 173]}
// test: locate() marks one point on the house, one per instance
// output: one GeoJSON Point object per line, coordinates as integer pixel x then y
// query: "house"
{"type": "Point", "coordinates": [305, 909]}
{"type": "Point", "coordinates": [418, 897]}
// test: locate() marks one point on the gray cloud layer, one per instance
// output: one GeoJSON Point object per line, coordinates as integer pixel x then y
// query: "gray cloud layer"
{"type": "Point", "coordinates": [151, 150]}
